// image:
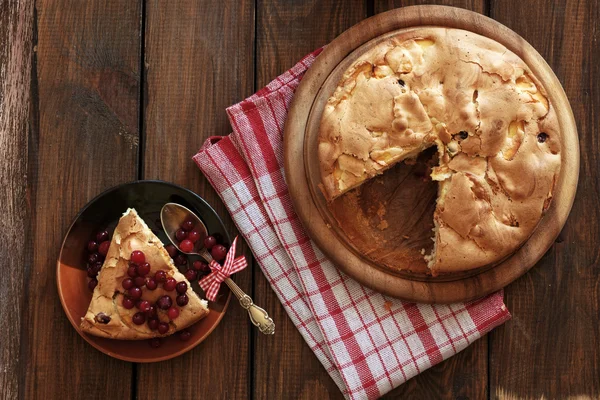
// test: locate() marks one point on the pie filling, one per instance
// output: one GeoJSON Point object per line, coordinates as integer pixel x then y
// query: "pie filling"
{"type": "Point", "coordinates": [495, 130]}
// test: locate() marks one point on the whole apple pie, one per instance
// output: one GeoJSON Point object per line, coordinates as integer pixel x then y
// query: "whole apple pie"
{"type": "Point", "coordinates": [496, 134]}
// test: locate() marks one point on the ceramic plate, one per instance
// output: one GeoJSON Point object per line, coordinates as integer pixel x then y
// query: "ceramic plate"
{"type": "Point", "coordinates": [103, 212]}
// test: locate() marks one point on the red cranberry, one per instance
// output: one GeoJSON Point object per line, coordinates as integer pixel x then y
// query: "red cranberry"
{"type": "Point", "coordinates": [193, 236]}
{"type": "Point", "coordinates": [139, 318]}
{"type": "Point", "coordinates": [164, 302]}
{"type": "Point", "coordinates": [102, 236]}
{"type": "Point", "coordinates": [160, 276]}
{"type": "Point", "coordinates": [219, 252]}
{"type": "Point", "coordinates": [102, 318]}
{"type": "Point", "coordinates": [172, 250]}
{"type": "Point", "coordinates": [144, 306]}
{"type": "Point", "coordinates": [143, 269]}
{"type": "Point", "coordinates": [103, 247]}
{"type": "Point", "coordinates": [152, 312]}
{"type": "Point", "coordinates": [180, 260]}
{"type": "Point", "coordinates": [209, 242]}
{"type": "Point", "coordinates": [182, 300]}
{"type": "Point", "coordinates": [163, 328]}
{"type": "Point", "coordinates": [135, 292]}
{"type": "Point", "coordinates": [127, 303]}
{"type": "Point", "coordinates": [173, 313]}
{"type": "Point", "coordinates": [155, 342]}
{"type": "Point", "coordinates": [93, 258]}
{"type": "Point", "coordinates": [153, 324]}
{"type": "Point", "coordinates": [92, 284]}
{"type": "Point", "coordinates": [170, 284]}
{"type": "Point", "coordinates": [186, 246]}
{"type": "Point", "coordinates": [139, 281]}
{"type": "Point", "coordinates": [127, 283]}
{"type": "Point", "coordinates": [180, 234]}
{"type": "Point", "coordinates": [151, 284]}
{"type": "Point", "coordinates": [93, 270]}
{"type": "Point", "coordinates": [200, 266]}
{"type": "Point", "coordinates": [92, 246]}
{"type": "Point", "coordinates": [137, 257]}
{"type": "Point", "coordinates": [181, 287]}
{"type": "Point", "coordinates": [185, 335]}
{"type": "Point", "coordinates": [132, 271]}
{"type": "Point", "coordinates": [187, 225]}
{"type": "Point", "coordinates": [191, 275]}
{"type": "Point", "coordinates": [98, 267]}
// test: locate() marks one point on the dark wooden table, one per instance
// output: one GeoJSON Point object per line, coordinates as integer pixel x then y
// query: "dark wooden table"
{"type": "Point", "coordinates": [98, 92]}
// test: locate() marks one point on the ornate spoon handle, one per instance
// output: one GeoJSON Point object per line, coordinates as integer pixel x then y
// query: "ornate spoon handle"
{"type": "Point", "coordinates": [258, 316]}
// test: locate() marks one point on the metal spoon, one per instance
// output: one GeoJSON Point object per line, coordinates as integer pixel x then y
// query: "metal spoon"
{"type": "Point", "coordinates": [172, 216]}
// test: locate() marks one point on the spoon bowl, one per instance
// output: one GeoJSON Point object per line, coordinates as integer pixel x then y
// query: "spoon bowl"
{"type": "Point", "coordinates": [172, 217]}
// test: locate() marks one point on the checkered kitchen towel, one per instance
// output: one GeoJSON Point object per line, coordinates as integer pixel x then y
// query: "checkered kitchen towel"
{"type": "Point", "coordinates": [367, 342]}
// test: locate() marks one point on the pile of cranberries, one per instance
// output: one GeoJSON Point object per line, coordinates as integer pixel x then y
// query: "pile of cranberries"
{"type": "Point", "coordinates": [139, 277]}
{"type": "Point", "coordinates": [187, 238]}
{"type": "Point", "coordinates": [97, 248]}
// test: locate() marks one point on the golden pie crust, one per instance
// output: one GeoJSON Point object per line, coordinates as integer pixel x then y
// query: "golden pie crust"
{"type": "Point", "coordinates": [106, 316]}
{"type": "Point", "coordinates": [496, 133]}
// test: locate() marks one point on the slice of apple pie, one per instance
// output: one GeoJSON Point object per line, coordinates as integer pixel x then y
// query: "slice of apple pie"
{"type": "Point", "coordinates": [140, 293]}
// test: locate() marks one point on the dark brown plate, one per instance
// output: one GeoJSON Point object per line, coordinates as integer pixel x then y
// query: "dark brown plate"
{"type": "Point", "coordinates": [348, 245]}
{"type": "Point", "coordinates": [103, 212]}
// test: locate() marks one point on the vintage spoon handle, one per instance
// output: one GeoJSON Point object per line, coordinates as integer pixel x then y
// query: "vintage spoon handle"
{"type": "Point", "coordinates": [258, 316]}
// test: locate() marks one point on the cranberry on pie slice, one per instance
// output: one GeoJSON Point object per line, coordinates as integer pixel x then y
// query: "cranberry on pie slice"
{"type": "Point", "coordinates": [112, 313]}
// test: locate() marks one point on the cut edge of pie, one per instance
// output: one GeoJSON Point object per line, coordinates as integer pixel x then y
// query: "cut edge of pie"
{"type": "Point", "coordinates": [496, 132]}
{"type": "Point", "coordinates": [106, 317]}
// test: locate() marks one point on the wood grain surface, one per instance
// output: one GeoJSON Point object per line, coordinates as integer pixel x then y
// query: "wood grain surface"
{"type": "Point", "coordinates": [551, 348]}
{"type": "Point", "coordinates": [186, 89]}
{"type": "Point", "coordinates": [16, 46]}
{"type": "Point", "coordinates": [86, 72]}
{"type": "Point", "coordinates": [101, 92]}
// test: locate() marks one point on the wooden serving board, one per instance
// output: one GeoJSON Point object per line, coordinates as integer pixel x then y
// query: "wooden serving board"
{"type": "Point", "coordinates": [376, 233]}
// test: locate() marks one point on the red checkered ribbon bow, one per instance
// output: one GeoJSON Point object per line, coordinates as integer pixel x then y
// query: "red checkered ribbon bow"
{"type": "Point", "coordinates": [212, 282]}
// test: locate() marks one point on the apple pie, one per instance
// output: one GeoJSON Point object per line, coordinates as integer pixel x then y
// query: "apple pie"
{"type": "Point", "coordinates": [495, 130]}
{"type": "Point", "coordinates": [140, 293]}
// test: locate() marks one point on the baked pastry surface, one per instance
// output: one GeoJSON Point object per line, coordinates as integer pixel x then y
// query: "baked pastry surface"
{"type": "Point", "coordinates": [495, 130]}
{"type": "Point", "coordinates": [106, 316]}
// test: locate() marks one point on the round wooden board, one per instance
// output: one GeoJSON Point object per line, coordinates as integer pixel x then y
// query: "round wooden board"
{"type": "Point", "coordinates": [299, 147]}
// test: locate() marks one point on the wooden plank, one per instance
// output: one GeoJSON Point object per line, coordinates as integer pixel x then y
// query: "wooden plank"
{"type": "Point", "coordinates": [465, 375]}
{"type": "Point", "coordinates": [198, 61]}
{"type": "Point", "coordinates": [474, 5]}
{"type": "Point", "coordinates": [284, 366]}
{"type": "Point", "coordinates": [88, 80]}
{"type": "Point", "coordinates": [551, 348]}
{"type": "Point", "coordinates": [16, 45]}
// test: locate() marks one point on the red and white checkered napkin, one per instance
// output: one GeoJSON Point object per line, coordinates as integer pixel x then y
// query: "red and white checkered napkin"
{"type": "Point", "coordinates": [367, 342]}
